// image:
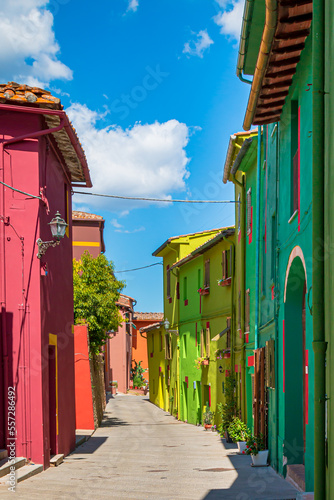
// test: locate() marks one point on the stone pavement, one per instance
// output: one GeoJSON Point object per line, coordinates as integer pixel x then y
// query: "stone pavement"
{"type": "Point", "coordinates": [141, 452]}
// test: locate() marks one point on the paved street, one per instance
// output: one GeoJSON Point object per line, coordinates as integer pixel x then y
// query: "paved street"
{"type": "Point", "coordinates": [142, 452]}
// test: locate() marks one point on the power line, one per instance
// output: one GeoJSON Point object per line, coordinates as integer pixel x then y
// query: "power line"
{"type": "Point", "coordinates": [154, 199]}
{"type": "Point", "coordinates": [138, 268]}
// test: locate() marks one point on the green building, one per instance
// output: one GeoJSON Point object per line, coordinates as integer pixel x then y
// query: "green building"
{"type": "Point", "coordinates": [205, 330]}
{"type": "Point", "coordinates": [278, 54]}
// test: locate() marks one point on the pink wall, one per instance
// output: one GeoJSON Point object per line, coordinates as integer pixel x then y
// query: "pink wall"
{"type": "Point", "coordinates": [36, 303]}
{"type": "Point", "coordinates": [118, 352]}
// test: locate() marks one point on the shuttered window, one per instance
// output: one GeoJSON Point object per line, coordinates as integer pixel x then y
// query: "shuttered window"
{"type": "Point", "coordinates": [224, 265]}
{"type": "Point", "coordinates": [228, 333]}
{"type": "Point", "coordinates": [230, 262]}
{"type": "Point", "coordinates": [207, 274]}
{"type": "Point", "coordinates": [208, 341]}
{"type": "Point", "coordinates": [202, 343]}
{"type": "Point", "coordinates": [168, 281]}
{"type": "Point", "coordinates": [168, 349]}
{"type": "Point", "coordinates": [249, 211]}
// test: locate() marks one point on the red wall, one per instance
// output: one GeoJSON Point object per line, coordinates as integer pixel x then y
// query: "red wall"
{"type": "Point", "coordinates": [36, 304]}
{"type": "Point", "coordinates": [83, 386]}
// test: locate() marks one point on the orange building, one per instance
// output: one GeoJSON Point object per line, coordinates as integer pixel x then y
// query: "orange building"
{"type": "Point", "coordinates": [139, 343]}
{"type": "Point", "coordinates": [87, 234]}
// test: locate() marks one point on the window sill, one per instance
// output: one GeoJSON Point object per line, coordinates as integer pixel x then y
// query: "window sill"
{"type": "Point", "coordinates": [225, 282]}
{"type": "Point", "coordinates": [293, 216]}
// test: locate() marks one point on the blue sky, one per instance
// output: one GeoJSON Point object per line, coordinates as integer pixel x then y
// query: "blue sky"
{"type": "Point", "coordinates": [150, 87]}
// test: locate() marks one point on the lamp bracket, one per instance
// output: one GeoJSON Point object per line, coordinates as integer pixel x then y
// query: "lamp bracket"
{"type": "Point", "coordinates": [44, 245]}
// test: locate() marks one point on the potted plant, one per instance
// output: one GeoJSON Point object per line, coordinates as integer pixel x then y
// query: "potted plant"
{"type": "Point", "coordinates": [228, 409]}
{"type": "Point", "coordinates": [256, 447]}
{"type": "Point", "coordinates": [201, 361]}
{"type": "Point", "coordinates": [208, 417]}
{"type": "Point", "coordinates": [239, 433]}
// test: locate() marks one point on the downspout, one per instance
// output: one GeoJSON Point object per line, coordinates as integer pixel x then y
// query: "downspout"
{"type": "Point", "coordinates": [319, 344]}
{"type": "Point", "coordinates": [257, 278]}
{"type": "Point", "coordinates": [248, 11]}
{"type": "Point", "coordinates": [261, 64]}
{"type": "Point", "coordinates": [277, 293]}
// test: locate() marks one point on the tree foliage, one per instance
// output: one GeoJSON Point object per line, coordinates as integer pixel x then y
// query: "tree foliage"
{"type": "Point", "coordinates": [96, 291]}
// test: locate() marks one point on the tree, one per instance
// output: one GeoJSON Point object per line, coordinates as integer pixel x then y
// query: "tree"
{"type": "Point", "coordinates": [96, 291]}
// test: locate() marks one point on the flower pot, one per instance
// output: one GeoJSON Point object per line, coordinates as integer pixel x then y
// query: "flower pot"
{"type": "Point", "coordinates": [205, 362]}
{"type": "Point", "coordinates": [260, 460]}
{"type": "Point", "coordinates": [207, 426]}
{"type": "Point", "coordinates": [241, 446]}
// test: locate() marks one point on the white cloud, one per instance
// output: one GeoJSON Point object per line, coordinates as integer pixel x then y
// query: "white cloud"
{"type": "Point", "coordinates": [197, 47]}
{"type": "Point", "coordinates": [28, 48]}
{"type": "Point", "coordinates": [115, 223]}
{"type": "Point", "coordinates": [127, 231]}
{"type": "Point", "coordinates": [230, 20]}
{"type": "Point", "coordinates": [146, 160]}
{"type": "Point", "coordinates": [133, 5]}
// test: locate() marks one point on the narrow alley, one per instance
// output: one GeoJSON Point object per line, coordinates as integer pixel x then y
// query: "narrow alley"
{"type": "Point", "coordinates": [142, 452]}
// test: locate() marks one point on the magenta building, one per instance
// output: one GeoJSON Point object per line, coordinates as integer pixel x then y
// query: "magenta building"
{"type": "Point", "coordinates": [41, 160]}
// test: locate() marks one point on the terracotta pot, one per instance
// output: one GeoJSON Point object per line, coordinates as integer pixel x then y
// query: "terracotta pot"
{"type": "Point", "coordinates": [207, 426]}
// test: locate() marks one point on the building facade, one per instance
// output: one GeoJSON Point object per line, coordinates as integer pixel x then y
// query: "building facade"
{"type": "Point", "coordinates": [41, 161]}
{"type": "Point", "coordinates": [87, 234]}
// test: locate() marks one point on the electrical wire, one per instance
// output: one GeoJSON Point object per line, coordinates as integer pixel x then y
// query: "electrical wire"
{"type": "Point", "coordinates": [154, 199]}
{"type": "Point", "coordinates": [138, 268]}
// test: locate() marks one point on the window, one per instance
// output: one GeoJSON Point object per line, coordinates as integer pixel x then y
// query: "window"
{"type": "Point", "coordinates": [184, 342]}
{"type": "Point", "coordinates": [247, 312]}
{"type": "Point", "coordinates": [294, 156]}
{"type": "Point", "coordinates": [202, 343]}
{"type": "Point", "coordinates": [249, 211]}
{"type": "Point", "coordinates": [224, 265]}
{"type": "Point", "coordinates": [227, 261]}
{"type": "Point", "coordinates": [199, 280]}
{"type": "Point", "coordinates": [168, 281]}
{"type": "Point", "coordinates": [228, 333]}
{"type": "Point", "coordinates": [168, 347]}
{"type": "Point", "coordinates": [185, 291]}
{"type": "Point", "coordinates": [161, 346]}
{"type": "Point", "coordinates": [208, 340]}
{"type": "Point", "coordinates": [207, 274]}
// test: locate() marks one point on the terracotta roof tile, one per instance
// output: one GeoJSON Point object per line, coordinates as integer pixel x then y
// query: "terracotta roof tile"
{"type": "Point", "coordinates": [14, 94]}
{"type": "Point", "coordinates": [85, 215]}
{"type": "Point", "coordinates": [148, 316]}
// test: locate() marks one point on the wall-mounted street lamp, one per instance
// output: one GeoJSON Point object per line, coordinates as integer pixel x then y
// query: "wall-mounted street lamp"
{"type": "Point", "coordinates": [58, 227]}
{"type": "Point", "coordinates": [220, 368]}
{"type": "Point", "coordinates": [167, 325]}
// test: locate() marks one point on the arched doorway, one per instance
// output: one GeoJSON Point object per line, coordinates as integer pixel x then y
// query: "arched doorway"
{"type": "Point", "coordinates": [295, 377]}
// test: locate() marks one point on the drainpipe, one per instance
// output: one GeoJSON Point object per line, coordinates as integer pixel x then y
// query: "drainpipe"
{"type": "Point", "coordinates": [319, 344]}
{"type": "Point", "coordinates": [257, 278]}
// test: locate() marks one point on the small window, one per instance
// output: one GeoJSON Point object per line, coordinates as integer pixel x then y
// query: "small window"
{"type": "Point", "coordinates": [168, 281]}
{"type": "Point", "coordinates": [228, 333]}
{"type": "Point", "coordinates": [249, 211]}
{"type": "Point", "coordinates": [208, 342]}
{"type": "Point", "coordinates": [247, 318]}
{"type": "Point", "coordinates": [168, 349]}
{"type": "Point", "coordinates": [230, 261]}
{"type": "Point", "coordinates": [185, 291]}
{"type": "Point", "coordinates": [224, 265]}
{"type": "Point", "coordinates": [202, 343]}
{"type": "Point", "coordinates": [207, 274]}
{"type": "Point", "coordinates": [199, 279]}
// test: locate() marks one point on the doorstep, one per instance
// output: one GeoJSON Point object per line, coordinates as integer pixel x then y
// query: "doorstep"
{"type": "Point", "coordinates": [82, 435]}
